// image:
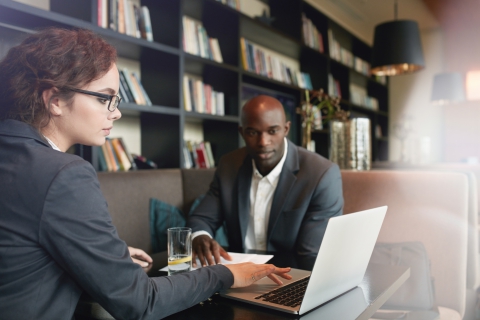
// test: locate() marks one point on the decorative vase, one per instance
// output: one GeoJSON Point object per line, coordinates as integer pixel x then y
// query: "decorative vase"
{"type": "Point", "coordinates": [350, 143]}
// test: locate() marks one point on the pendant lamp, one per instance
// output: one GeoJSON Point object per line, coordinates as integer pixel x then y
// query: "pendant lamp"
{"type": "Point", "coordinates": [448, 87]}
{"type": "Point", "coordinates": [397, 48]}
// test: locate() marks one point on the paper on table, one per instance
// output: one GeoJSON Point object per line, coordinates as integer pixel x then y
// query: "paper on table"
{"type": "Point", "coordinates": [238, 258]}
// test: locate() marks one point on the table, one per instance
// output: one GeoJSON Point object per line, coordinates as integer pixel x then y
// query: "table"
{"type": "Point", "coordinates": [379, 283]}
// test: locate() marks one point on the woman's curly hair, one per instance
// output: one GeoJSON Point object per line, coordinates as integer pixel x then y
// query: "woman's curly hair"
{"type": "Point", "coordinates": [52, 58]}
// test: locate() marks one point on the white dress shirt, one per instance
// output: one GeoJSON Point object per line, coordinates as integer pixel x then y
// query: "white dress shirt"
{"type": "Point", "coordinates": [53, 145]}
{"type": "Point", "coordinates": [262, 190]}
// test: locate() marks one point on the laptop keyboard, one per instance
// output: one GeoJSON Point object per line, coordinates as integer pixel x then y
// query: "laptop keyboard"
{"type": "Point", "coordinates": [290, 295]}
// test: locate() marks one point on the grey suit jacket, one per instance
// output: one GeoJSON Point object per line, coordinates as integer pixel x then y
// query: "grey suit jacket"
{"type": "Point", "coordinates": [57, 239]}
{"type": "Point", "coordinates": [309, 192]}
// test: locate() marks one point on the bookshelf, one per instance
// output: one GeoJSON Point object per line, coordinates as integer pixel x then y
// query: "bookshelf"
{"type": "Point", "coordinates": [163, 64]}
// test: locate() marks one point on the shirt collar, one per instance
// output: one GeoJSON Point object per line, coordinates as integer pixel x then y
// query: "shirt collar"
{"type": "Point", "coordinates": [53, 145]}
{"type": "Point", "coordinates": [273, 176]}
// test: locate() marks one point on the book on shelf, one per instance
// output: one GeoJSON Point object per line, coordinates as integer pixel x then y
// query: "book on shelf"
{"type": "Point", "coordinates": [271, 65]}
{"type": "Point", "coordinates": [200, 97]}
{"type": "Point", "coordinates": [208, 149]}
{"type": "Point", "coordinates": [196, 41]}
{"type": "Point", "coordinates": [187, 158]}
{"type": "Point", "coordinates": [125, 16]}
{"type": "Point", "coordinates": [202, 155]}
{"type": "Point", "coordinates": [311, 36]}
{"type": "Point", "coordinates": [132, 87]}
{"type": "Point", "coordinates": [359, 96]}
{"type": "Point", "coordinates": [334, 88]}
{"type": "Point", "coordinates": [142, 89]}
{"type": "Point", "coordinates": [102, 161]}
{"type": "Point", "coordinates": [198, 155]}
{"type": "Point", "coordinates": [106, 157]}
{"type": "Point", "coordinates": [125, 163]}
{"type": "Point", "coordinates": [114, 156]}
{"type": "Point", "coordinates": [115, 166]}
{"type": "Point", "coordinates": [145, 14]}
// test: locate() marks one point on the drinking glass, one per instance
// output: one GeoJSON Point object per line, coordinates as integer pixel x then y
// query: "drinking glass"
{"type": "Point", "coordinates": [179, 250]}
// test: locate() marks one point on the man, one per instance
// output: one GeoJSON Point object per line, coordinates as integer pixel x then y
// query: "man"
{"type": "Point", "coordinates": [271, 194]}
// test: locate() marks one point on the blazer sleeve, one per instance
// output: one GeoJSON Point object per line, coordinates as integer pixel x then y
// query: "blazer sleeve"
{"type": "Point", "coordinates": [208, 215]}
{"type": "Point", "coordinates": [326, 202]}
{"type": "Point", "coordinates": [77, 231]}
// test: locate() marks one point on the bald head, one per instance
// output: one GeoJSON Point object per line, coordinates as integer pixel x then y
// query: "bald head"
{"type": "Point", "coordinates": [260, 105]}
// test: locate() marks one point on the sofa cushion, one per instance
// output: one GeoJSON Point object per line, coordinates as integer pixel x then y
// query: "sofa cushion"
{"type": "Point", "coordinates": [164, 216]}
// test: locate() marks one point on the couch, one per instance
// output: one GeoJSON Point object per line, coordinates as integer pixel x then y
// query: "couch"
{"type": "Point", "coordinates": [437, 202]}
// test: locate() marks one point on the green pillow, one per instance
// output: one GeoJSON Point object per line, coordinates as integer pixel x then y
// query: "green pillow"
{"type": "Point", "coordinates": [164, 216]}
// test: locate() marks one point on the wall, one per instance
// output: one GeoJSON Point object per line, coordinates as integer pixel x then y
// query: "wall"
{"type": "Point", "coordinates": [461, 22]}
{"type": "Point", "coordinates": [410, 105]}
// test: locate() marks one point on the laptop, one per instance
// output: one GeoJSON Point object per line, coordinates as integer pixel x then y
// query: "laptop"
{"type": "Point", "coordinates": [339, 267]}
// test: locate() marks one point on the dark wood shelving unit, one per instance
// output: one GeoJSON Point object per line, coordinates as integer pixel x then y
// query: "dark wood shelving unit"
{"type": "Point", "coordinates": [163, 64]}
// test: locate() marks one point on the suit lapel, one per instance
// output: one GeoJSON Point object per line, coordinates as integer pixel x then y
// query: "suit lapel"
{"type": "Point", "coordinates": [244, 182]}
{"type": "Point", "coordinates": [285, 183]}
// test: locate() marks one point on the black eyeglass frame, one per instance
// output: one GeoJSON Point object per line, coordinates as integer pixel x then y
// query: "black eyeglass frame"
{"type": "Point", "coordinates": [108, 97]}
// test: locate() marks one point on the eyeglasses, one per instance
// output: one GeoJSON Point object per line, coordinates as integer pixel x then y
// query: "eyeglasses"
{"type": "Point", "coordinates": [113, 100]}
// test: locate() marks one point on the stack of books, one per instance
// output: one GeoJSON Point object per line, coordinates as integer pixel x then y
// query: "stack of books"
{"type": "Point", "coordinates": [131, 88]}
{"type": "Point", "coordinates": [362, 66]}
{"type": "Point", "coordinates": [359, 96]}
{"type": "Point", "coordinates": [114, 156]}
{"type": "Point", "coordinates": [334, 87]}
{"type": "Point", "coordinates": [346, 57]}
{"type": "Point", "coordinates": [200, 97]}
{"type": "Point", "coordinates": [125, 16]}
{"type": "Point", "coordinates": [198, 155]}
{"type": "Point", "coordinates": [311, 36]}
{"type": "Point", "coordinates": [256, 59]}
{"type": "Point", "coordinates": [197, 42]}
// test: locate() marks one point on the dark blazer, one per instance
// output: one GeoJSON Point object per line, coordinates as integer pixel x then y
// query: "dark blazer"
{"type": "Point", "coordinates": [57, 240]}
{"type": "Point", "coordinates": [308, 193]}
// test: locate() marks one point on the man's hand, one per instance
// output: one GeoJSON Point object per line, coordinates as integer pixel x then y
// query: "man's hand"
{"type": "Point", "coordinates": [244, 274]}
{"type": "Point", "coordinates": [205, 248]}
{"type": "Point", "coordinates": [140, 257]}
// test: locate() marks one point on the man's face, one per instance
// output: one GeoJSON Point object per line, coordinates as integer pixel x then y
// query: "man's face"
{"type": "Point", "coordinates": [264, 132]}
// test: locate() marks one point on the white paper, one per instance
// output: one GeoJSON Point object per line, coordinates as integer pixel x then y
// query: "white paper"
{"type": "Point", "coordinates": [237, 258]}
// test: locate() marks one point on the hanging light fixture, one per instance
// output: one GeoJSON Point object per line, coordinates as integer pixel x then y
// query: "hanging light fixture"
{"type": "Point", "coordinates": [448, 87]}
{"type": "Point", "coordinates": [397, 48]}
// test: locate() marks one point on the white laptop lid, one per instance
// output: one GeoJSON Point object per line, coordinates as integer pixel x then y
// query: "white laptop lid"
{"type": "Point", "coordinates": [343, 257]}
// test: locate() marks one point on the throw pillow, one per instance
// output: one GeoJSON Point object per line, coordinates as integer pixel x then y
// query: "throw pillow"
{"type": "Point", "coordinates": [164, 216]}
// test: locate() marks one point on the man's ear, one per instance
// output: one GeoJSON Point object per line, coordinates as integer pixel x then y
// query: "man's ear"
{"type": "Point", "coordinates": [287, 128]}
{"type": "Point", "coordinates": [240, 130]}
{"type": "Point", "coordinates": [51, 101]}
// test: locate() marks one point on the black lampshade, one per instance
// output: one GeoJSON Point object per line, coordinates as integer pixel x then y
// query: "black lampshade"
{"type": "Point", "coordinates": [448, 87]}
{"type": "Point", "coordinates": [397, 48]}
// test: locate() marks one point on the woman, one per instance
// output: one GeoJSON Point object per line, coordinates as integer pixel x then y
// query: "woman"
{"type": "Point", "coordinates": [58, 88]}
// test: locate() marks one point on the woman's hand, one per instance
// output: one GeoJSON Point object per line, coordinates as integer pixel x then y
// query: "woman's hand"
{"type": "Point", "coordinates": [140, 257]}
{"type": "Point", "coordinates": [244, 274]}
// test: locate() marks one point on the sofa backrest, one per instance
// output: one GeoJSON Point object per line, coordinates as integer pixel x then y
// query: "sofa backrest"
{"type": "Point", "coordinates": [128, 196]}
{"type": "Point", "coordinates": [430, 207]}
{"type": "Point", "coordinates": [195, 183]}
